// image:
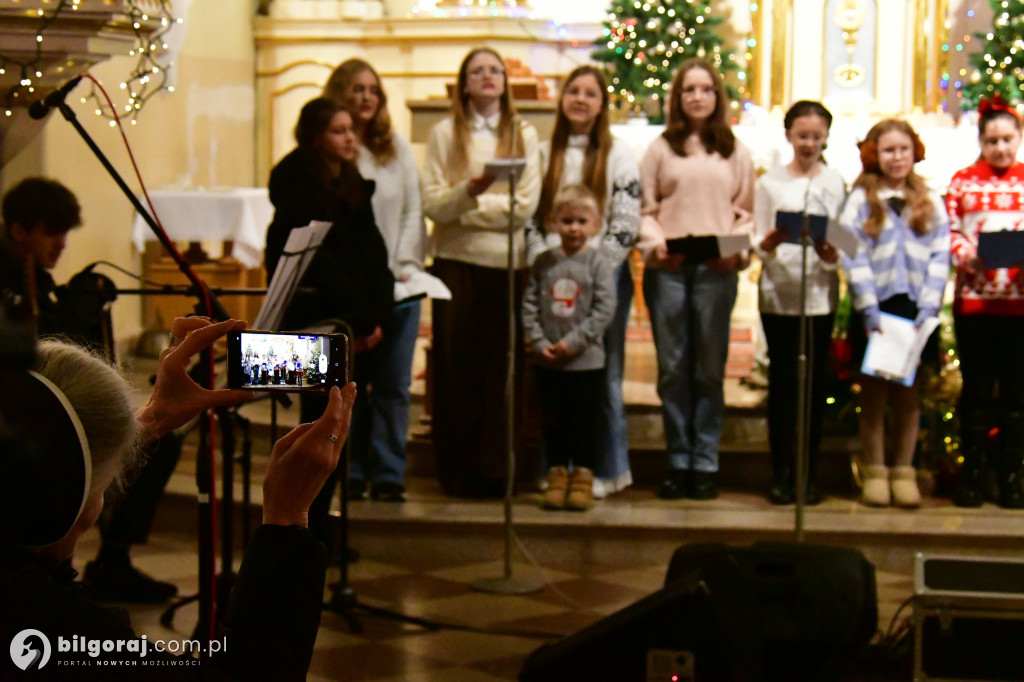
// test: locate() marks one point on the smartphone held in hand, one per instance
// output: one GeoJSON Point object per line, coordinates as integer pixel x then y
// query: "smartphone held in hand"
{"type": "Point", "coordinates": [290, 362]}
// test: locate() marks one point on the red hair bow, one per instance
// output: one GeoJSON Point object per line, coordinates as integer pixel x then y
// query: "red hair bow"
{"type": "Point", "coordinates": [996, 103]}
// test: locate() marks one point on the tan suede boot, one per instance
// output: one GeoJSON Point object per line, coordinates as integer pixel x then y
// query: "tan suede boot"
{"type": "Point", "coordinates": [558, 485]}
{"type": "Point", "coordinates": [581, 489]}
{"type": "Point", "coordinates": [905, 492]}
{"type": "Point", "coordinates": [876, 486]}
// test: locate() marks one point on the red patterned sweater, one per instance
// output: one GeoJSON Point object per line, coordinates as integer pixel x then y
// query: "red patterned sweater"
{"type": "Point", "coordinates": [982, 200]}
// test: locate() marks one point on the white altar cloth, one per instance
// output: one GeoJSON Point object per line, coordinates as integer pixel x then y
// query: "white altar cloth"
{"type": "Point", "coordinates": [239, 214]}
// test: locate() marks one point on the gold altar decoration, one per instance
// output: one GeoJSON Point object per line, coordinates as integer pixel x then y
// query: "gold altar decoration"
{"type": "Point", "coordinates": [849, 16]}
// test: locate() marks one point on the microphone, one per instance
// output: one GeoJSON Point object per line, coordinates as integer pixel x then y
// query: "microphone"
{"type": "Point", "coordinates": [41, 107]}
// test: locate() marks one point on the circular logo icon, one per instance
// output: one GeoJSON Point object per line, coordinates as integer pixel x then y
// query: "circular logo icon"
{"type": "Point", "coordinates": [30, 649]}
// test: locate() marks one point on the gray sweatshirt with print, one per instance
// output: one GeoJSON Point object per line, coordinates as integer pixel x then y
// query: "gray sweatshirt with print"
{"type": "Point", "coordinates": [571, 298]}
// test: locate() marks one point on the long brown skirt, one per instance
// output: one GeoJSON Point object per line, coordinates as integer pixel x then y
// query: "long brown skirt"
{"type": "Point", "coordinates": [470, 361]}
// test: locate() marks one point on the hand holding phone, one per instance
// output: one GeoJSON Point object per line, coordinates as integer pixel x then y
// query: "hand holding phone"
{"type": "Point", "coordinates": [176, 397]}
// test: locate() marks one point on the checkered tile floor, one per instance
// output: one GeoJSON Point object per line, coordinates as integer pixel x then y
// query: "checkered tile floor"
{"type": "Point", "coordinates": [495, 633]}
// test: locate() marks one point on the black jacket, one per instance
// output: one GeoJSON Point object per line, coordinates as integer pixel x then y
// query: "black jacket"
{"type": "Point", "coordinates": [270, 626]}
{"type": "Point", "coordinates": [349, 273]}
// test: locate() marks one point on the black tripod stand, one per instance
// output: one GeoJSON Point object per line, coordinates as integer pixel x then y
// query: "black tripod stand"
{"type": "Point", "coordinates": [344, 601]}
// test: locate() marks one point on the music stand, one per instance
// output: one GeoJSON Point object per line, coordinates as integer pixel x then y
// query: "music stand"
{"type": "Point", "coordinates": [298, 252]}
{"type": "Point", "coordinates": [344, 600]}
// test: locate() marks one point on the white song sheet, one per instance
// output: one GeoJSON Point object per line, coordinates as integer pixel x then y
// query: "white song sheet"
{"type": "Point", "coordinates": [298, 252]}
{"type": "Point", "coordinates": [895, 352]}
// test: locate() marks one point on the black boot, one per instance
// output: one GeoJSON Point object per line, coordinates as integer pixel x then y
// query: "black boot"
{"type": "Point", "coordinates": [1011, 493]}
{"type": "Point", "coordinates": [782, 490]}
{"type": "Point", "coordinates": [812, 496]}
{"type": "Point", "coordinates": [974, 430]}
{"type": "Point", "coordinates": [112, 578]}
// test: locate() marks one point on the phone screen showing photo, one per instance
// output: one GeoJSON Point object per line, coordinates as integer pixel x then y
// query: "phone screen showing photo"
{"type": "Point", "coordinates": [287, 362]}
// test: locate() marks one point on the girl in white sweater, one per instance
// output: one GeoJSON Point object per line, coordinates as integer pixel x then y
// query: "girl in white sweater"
{"type": "Point", "coordinates": [470, 211]}
{"type": "Point", "coordinates": [386, 158]}
{"type": "Point", "coordinates": [804, 185]}
{"type": "Point", "coordinates": [583, 151]}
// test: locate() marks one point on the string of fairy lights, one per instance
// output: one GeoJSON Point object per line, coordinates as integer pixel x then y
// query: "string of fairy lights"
{"type": "Point", "coordinates": [150, 21]}
{"type": "Point", "coordinates": [986, 55]}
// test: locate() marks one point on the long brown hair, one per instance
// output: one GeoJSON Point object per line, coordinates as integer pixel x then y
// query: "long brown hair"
{"type": "Point", "coordinates": [595, 160]}
{"type": "Point", "coordinates": [871, 178]}
{"type": "Point", "coordinates": [314, 120]}
{"type": "Point", "coordinates": [510, 135]}
{"type": "Point", "coordinates": [377, 133]}
{"type": "Point", "coordinates": [716, 135]}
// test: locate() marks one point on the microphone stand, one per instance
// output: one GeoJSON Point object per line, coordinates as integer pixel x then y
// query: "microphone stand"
{"type": "Point", "coordinates": [212, 308]}
{"type": "Point", "coordinates": [803, 397]}
{"type": "Point", "coordinates": [507, 583]}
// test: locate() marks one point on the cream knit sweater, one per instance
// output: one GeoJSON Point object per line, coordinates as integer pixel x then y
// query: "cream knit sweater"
{"type": "Point", "coordinates": [475, 229]}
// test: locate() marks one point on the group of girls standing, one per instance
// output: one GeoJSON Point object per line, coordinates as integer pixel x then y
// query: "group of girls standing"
{"type": "Point", "coordinates": [907, 238]}
{"type": "Point", "coordinates": [352, 169]}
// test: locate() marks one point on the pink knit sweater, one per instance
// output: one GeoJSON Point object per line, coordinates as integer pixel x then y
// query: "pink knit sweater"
{"type": "Point", "coordinates": [698, 194]}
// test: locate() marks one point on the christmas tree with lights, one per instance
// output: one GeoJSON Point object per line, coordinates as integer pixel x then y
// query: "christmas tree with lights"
{"type": "Point", "coordinates": [644, 41]}
{"type": "Point", "coordinates": [999, 63]}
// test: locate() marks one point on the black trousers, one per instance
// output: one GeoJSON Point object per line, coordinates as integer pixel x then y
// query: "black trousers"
{"type": "Point", "coordinates": [571, 410]}
{"type": "Point", "coordinates": [991, 359]}
{"type": "Point", "coordinates": [470, 364]}
{"type": "Point", "coordinates": [128, 520]}
{"type": "Point", "coordinates": [782, 333]}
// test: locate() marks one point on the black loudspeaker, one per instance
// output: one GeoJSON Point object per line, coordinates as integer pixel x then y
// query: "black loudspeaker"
{"type": "Point", "coordinates": [770, 611]}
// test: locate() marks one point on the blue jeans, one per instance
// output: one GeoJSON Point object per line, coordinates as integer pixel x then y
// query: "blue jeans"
{"type": "Point", "coordinates": [612, 457]}
{"type": "Point", "coordinates": [390, 401]}
{"type": "Point", "coordinates": [690, 309]}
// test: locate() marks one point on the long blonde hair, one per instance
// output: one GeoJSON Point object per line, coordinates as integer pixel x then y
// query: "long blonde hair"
{"type": "Point", "coordinates": [871, 178]}
{"type": "Point", "coordinates": [378, 137]}
{"type": "Point", "coordinates": [599, 146]}
{"type": "Point", "coordinates": [510, 134]}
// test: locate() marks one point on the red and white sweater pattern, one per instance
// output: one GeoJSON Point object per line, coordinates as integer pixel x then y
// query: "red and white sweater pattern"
{"type": "Point", "coordinates": [983, 200]}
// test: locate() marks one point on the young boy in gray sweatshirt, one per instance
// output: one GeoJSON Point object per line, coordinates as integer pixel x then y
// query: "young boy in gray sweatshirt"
{"type": "Point", "coordinates": [569, 300]}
